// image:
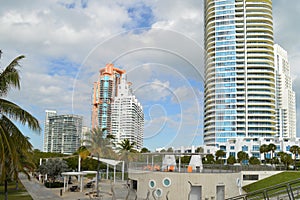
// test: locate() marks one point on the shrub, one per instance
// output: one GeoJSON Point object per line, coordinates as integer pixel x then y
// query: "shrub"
{"type": "Point", "coordinates": [54, 184]}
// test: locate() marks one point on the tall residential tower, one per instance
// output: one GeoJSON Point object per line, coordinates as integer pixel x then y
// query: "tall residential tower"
{"type": "Point", "coordinates": [286, 101]}
{"type": "Point", "coordinates": [127, 115]}
{"type": "Point", "coordinates": [240, 91]}
{"type": "Point", "coordinates": [115, 107]}
{"type": "Point", "coordinates": [62, 133]}
{"type": "Point", "coordinates": [105, 90]}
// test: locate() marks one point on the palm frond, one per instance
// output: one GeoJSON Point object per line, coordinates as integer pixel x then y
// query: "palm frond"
{"type": "Point", "coordinates": [13, 111]}
{"type": "Point", "coordinates": [10, 76]}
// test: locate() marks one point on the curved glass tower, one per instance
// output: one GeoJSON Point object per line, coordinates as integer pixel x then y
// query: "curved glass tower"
{"type": "Point", "coordinates": [240, 74]}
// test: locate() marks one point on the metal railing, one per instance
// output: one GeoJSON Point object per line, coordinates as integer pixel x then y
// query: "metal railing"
{"type": "Point", "coordinates": [206, 168]}
{"type": "Point", "coordinates": [284, 191]}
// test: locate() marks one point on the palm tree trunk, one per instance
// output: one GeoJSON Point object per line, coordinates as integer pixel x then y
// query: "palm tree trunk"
{"type": "Point", "coordinates": [295, 163]}
{"type": "Point", "coordinates": [17, 184]}
{"type": "Point", "coordinates": [5, 190]}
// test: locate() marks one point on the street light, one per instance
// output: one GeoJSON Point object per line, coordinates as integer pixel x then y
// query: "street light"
{"type": "Point", "coordinates": [97, 181]}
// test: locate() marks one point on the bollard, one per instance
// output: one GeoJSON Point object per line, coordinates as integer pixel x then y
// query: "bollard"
{"type": "Point", "coordinates": [61, 192]}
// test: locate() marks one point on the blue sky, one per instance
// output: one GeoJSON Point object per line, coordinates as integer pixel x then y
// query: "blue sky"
{"type": "Point", "coordinates": [159, 44]}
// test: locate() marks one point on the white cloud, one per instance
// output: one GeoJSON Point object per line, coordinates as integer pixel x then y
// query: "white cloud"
{"type": "Point", "coordinates": [47, 31]}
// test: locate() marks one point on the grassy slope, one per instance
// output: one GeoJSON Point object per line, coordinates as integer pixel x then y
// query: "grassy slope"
{"type": "Point", "coordinates": [271, 181]}
{"type": "Point", "coordinates": [14, 194]}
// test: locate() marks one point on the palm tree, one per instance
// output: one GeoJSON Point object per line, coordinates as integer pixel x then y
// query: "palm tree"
{"type": "Point", "coordinates": [272, 147]}
{"type": "Point", "coordinates": [10, 135]}
{"type": "Point", "coordinates": [126, 145]}
{"type": "Point", "coordinates": [94, 146]}
{"type": "Point", "coordinates": [127, 151]}
{"type": "Point", "coordinates": [145, 150]}
{"type": "Point", "coordinates": [254, 161]}
{"type": "Point", "coordinates": [264, 149]}
{"type": "Point", "coordinates": [242, 156]}
{"type": "Point", "coordinates": [220, 154]}
{"type": "Point", "coordinates": [294, 150]}
{"type": "Point", "coordinates": [286, 159]}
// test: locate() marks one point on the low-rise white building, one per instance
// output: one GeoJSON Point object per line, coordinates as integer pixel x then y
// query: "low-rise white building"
{"type": "Point", "coordinates": [252, 146]}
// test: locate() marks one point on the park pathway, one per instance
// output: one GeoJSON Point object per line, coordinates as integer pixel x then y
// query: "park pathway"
{"type": "Point", "coordinates": [36, 190]}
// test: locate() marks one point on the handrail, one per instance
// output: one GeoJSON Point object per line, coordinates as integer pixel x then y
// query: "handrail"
{"type": "Point", "coordinates": [264, 193]}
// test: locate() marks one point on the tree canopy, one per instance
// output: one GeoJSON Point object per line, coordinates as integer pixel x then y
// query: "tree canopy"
{"type": "Point", "coordinates": [13, 160]}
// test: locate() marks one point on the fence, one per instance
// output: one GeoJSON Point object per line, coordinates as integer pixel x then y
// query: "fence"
{"type": "Point", "coordinates": [206, 168]}
{"type": "Point", "coordinates": [284, 191]}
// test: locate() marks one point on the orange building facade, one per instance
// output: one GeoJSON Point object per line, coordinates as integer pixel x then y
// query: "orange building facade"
{"type": "Point", "coordinates": [104, 91]}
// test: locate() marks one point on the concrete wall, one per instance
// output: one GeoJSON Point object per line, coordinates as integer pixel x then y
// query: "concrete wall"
{"type": "Point", "coordinates": [261, 175]}
{"type": "Point", "coordinates": [180, 188]}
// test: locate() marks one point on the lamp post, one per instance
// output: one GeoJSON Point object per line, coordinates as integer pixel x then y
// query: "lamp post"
{"type": "Point", "coordinates": [97, 181]}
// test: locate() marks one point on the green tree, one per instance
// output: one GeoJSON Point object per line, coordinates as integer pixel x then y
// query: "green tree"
{"type": "Point", "coordinates": [272, 147]}
{"type": "Point", "coordinates": [10, 135]}
{"type": "Point", "coordinates": [127, 151]}
{"type": "Point", "coordinates": [220, 154]}
{"type": "Point", "coordinates": [145, 150]}
{"type": "Point", "coordinates": [199, 150]}
{"type": "Point", "coordinates": [242, 156]}
{"type": "Point", "coordinates": [185, 160]}
{"type": "Point", "coordinates": [254, 161]}
{"type": "Point", "coordinates": [170, 149]}
{"type": "Point", "coordinates": [53, 168]}
{"type": "Point", "coordinates": [264, 149]}
{"type": "Point", "coordinates": [286, 159]}
{"type": "Point", "coordinates": [231, 160]}
{"type": "Point", "coordinates": [98, 145]}
{"type": "Point", "coordinates": [294, 150]}
{"type": "Point", "coordinates": [209, 159]}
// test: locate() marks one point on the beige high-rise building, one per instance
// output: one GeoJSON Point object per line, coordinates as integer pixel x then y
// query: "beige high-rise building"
{"type": "Point", "coordinates": [240, 93]}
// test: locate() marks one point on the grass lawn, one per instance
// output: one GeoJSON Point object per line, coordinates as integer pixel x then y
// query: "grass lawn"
{"type": "Point", "coordinates": [14, 194]}
{"type": "Point", "coordinates": [271, 181]}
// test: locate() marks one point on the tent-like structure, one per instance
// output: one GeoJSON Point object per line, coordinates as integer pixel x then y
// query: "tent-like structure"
{"type": "Point", "coordinates": [113, 163]}
{"type": "Point", "coordinates": [66, 176]}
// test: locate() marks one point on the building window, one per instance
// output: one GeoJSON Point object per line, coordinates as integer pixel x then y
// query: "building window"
{"type": "Point", "coordinates": [245, 148]}
{"type": "Point", "coordinates": [250, 177]}
{"type": "Point", "coordinates": [223, 148]}
{"type": "Point", "coordinates": [232, 154]}
{"type": "Point", "coordinates": [231, 147]}
{"type": "Point", "coordinates": [152, 184]}
{"type": "Point", "coordinates": [255, 155]}
{"type": "Point", "coordinates": [255, 148]}
{"type": "Point", "coordinates": [278, 148]}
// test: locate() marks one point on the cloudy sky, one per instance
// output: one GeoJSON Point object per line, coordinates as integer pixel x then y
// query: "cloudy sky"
{"type": "Point", "coordinates": [158, 43]}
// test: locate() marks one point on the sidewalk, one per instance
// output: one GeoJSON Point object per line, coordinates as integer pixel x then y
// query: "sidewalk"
{"type": "Point", "coordinates": [39, 192]}
{"type": "Point", "coordinates": [36, 190]}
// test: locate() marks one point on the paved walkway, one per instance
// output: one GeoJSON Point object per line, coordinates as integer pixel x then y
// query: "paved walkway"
{"type": "Point", "coordinates": [36, 190]}
{"type": "Point", "coordinates": [39, 192]}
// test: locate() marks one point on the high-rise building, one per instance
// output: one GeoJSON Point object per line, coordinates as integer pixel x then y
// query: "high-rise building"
{"type": "Point", "coordinates": [105, 90]}
{"type": "Point", "coordinates": [115, 108]}
{"type": "Point", "coordinates": [62, 133]}
{"type": "Point", "coordinates": [240, 77]}
{"type": "Point", "coordinates": [85, 136]}
{"type": "Point", "coordinates": [47, 140]}
{"type": "Point", "coordinates": [286, 102]}
{"type": "Point", "coordinates": [127, 115]}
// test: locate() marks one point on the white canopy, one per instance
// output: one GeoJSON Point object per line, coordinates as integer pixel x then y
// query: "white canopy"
{"type": "Point", "coordinates": [108, 161]}
{"type": "Point", "coordinates": [113, 163]}
{"type": "Point", "coordinates": [80, 178]}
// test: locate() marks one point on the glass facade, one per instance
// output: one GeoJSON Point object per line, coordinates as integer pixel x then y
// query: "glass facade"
{"type": "Point", "coordinates": [239, 73]}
